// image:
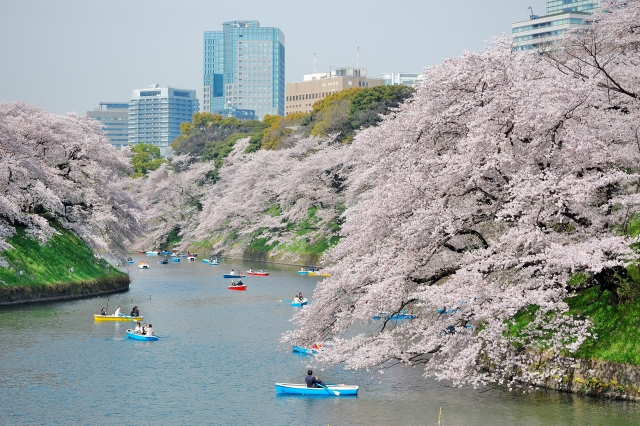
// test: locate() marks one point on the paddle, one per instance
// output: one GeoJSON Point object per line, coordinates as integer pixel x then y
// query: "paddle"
{"type": "Point", "coordinates": [336, 393]}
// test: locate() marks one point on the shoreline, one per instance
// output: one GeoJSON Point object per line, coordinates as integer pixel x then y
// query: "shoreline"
{"type": "Point", "coordinates": [20, 295]}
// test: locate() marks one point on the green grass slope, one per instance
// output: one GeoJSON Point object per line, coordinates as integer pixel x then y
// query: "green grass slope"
{"type": "Point", "coordinates": [64, 259]}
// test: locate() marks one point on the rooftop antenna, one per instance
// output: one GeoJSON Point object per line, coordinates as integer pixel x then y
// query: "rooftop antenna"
{"type": "Point", "coordinates": [314, 63]}
{"type": "Point", "coordinates": [532, 16]}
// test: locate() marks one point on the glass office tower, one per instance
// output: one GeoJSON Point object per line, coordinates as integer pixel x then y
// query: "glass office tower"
{"type": "Point", "coordinates": [544, 31]}
{"type": "Point", "coordinates": [244, 69]}
{"type": "Point", "coordinates": [155, 115]}
{"type": "Point", "coordinates": [564, 6]}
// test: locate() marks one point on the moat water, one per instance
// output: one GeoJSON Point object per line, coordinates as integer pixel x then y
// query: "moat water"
{"type": "Point", "coordinates": [217, 360]}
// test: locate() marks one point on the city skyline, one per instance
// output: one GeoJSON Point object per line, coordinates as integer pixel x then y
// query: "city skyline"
{"type": "Point", "coordinates": [70, 55]}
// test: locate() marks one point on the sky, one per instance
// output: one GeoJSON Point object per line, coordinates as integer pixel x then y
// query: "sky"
{"type": "Point", "coordinates": [69, 55]}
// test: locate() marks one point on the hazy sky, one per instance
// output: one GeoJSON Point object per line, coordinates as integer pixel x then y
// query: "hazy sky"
{"type": "Point", "coordinates": [68, 55]}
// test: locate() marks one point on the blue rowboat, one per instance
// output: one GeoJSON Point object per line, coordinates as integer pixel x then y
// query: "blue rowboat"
{"type": "Point", "coordinates": [299, 304]}
{"type": "Point", "coordinates": [175, 259]}
{"type": "Point", "coordinates": [165, 252]}
{"type": "Point", "coordinates": [233, 276]}
{"type": "Point", "coordinates": [303, 272]}
{"type": "Point", "coordinates": [132, 335]}
{"type": "Point", "coordinates": [163, 261]}
{"type": "Point", "coordinates": [330, 390]}
{"type": "Point", "coordinates": [151, 253]}
{"type": "Point", "coordinates": [301, 350]}
{"type": "Point", "coordinates": [400, 316]}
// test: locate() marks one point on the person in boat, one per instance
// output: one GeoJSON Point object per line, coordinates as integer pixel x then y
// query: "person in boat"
{"type": "Point", "coordinates": [239, 282]}
{"type": "Point", "coordinates": [312, 381]}
{"type": "Point", "coordinates": [103, 311]}
{"type": "Point", "coordinates": [232, 272]}
{"type": "Point", "coordinates": [144, 328]}
{"type": "Point", "coordinates": [300, 296]}
{"type": "Point", "coordinates": [296, 299]}
{"type": "Point", "coordinates": [250, 271]}
{"type": "Point", "coordinates": [117, 312]}
{"type": "Point", "coordinates": [233, 283]}
{"type": "Point", "coordinates": [149, 331]}
{"type": "Point", "coordinates": [138, 329]}
{"type": "Point", "coordinates": [135, 312]}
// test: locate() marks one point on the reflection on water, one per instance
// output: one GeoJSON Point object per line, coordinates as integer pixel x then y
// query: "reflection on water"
{"type": "Point", "coordinates": [217, 360]}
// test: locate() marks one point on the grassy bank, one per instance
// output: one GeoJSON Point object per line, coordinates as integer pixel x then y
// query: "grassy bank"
{"type": "Point", "coordinates": [616, 327]}
{"type": "Point", "coordinates": [64, 259]}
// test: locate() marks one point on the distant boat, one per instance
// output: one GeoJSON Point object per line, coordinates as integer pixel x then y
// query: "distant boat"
{"type": "Point", "coordinates": [299, 304]}
{"type": "Point", "coordinates": [175, 259]}
{"type": "Point", "coordinates": [233, 276]}
{"type": "Point", "coordinates": [192, 256]}
{"type": "Point", "coordinates": [152, 253]}
{"type": "Point", "coordinates": [301, 350]}
{"type": "Point", "coordinates": [400, 316]}
{"type": "Point", "coordinates": [143, 265]}
{"type": "Point", "coordinates": [163, 261]}
{"type": "Point", "coordinates": [132, 335]}
{"type": "Point", "coordinates": [318, 274]}
{"type": "Point", "coordinates": [119, 318]}
{"type": "Point", "coordinates": [329, 390]}
{"type": "Point", "coordinates": [237, 287]}
{"type": "Point", "coordinates": [130, 260]}
{"type": "Point", "coordinates": [258, 273]}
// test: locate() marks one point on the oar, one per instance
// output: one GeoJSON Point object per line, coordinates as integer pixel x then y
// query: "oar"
{"type": "Point", "coordinates": [334, 384]}
{"type": "Point", "coordinates": [336, 393]}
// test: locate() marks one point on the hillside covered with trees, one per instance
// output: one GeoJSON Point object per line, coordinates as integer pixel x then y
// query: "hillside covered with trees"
{"type": "Point", "coordinates": [261, 190]}
{"type": "Point", "coordinates": [498, 203]}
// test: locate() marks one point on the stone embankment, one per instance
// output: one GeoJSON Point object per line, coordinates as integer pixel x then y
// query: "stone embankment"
{"type": "Point", "coordinates": [63, 291]}
{"type": "Point", "coordinates": [598, 378]}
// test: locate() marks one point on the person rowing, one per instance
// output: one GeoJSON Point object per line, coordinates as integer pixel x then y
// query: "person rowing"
{"type": "Point", "coordinates": [233, 283]}
{"type": "Point", "coordinates": [312, 381]}
{"type": "Point", "coordinates": [117, 312]}
{"type": "Point", "coordinates": [239, 282]}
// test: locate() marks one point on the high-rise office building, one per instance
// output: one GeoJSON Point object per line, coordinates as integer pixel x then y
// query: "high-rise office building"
{"type": "Point", "coordinates": [114, 117]}
{"type": "Point", "coordinates": [155, 115]}
{"type": "Point", "coordinates": [301, 95]}
{"type": "Point", "coordinates": [244, 69]}
{"type": "Point", "coordinates": [561, 16]}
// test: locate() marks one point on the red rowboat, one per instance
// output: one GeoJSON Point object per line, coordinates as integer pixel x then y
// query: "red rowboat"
{"type": "Point", "coordinates": [258, 274]}
{"type": "Point", "coordinates": [237, 287]}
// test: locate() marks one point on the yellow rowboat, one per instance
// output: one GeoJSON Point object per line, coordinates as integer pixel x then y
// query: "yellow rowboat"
{"type": "Point", "coordinates": [116, 318]}
{"type": "Point", "coordinates": [316, 274]}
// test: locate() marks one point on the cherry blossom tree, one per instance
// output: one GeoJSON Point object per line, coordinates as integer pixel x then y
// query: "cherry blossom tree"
{"type": "Point", "coordinates": [63, 168]}
{"type": "Point", "coordinates": [504, 176]}
{"type": "Point", "coordinates": [310, 173]}
{"type": "Point", "coordinates": [171, 197]}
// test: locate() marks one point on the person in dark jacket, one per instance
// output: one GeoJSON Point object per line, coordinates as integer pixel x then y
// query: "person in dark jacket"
{"type": "Point", "coordinates": [312, 381]}
{"type": "Point", "coordinates": [135, 312]}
